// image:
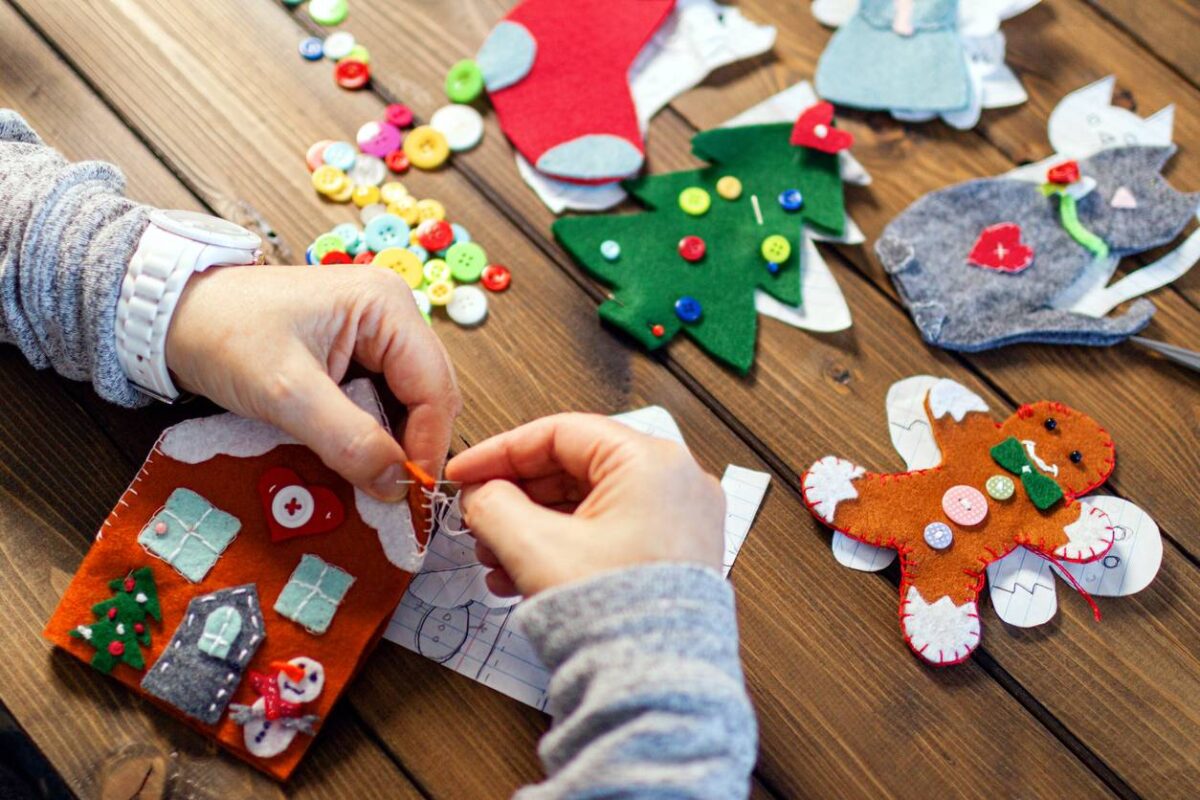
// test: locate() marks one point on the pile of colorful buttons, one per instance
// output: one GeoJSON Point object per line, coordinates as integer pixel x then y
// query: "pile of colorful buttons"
{"type": "Point", "coordinates": [351, 60]}
{"type": "Point", "coordinates": [412, 237]}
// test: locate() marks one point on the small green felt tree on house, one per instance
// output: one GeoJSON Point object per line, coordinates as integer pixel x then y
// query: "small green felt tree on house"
{"type": "Point", "coordinates": [120, 629]}
{"type": "Point", "coordinates": [711, 236]}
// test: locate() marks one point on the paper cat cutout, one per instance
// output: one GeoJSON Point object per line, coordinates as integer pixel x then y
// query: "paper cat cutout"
{"type": "Point", "coordinates": [961, 307]}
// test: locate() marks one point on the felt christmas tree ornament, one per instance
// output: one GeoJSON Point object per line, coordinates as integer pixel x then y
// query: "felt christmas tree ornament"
{"type": "Point", "coordinates": [253, 554]}
{"type": "Point", "coordinates": [710, 237]}
{"type": "Point", "coordinates": [988, 489]}
{"type": "Point", "coordinates": [558, 76]}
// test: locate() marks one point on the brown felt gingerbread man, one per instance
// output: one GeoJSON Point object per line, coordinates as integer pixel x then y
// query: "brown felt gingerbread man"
{"type": "Point", "coordinates": [998, 486]}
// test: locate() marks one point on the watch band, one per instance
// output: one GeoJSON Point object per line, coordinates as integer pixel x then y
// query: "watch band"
{"type": "Point", "coordinates": [153, 283]}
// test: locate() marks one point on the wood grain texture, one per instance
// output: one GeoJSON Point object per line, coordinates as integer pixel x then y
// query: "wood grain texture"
{"type": "Point", "coordinates": [1168, 30]}
{"type": "Point", "coordinates": [840, 702]}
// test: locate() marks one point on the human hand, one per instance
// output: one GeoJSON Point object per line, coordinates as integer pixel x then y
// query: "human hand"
{"type": "Point", "coordinates": [272, 343]}
{"type": "Point", "coordinates": [572, 495]}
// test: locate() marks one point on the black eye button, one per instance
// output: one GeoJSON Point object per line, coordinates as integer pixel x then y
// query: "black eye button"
{"type": "Point", "coordinates": [1075, 456]}
{"type": "Point", "coordinates": [1051, 424]}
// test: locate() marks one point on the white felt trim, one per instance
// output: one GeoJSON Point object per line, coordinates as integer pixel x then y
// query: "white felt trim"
{"type": "Point", "coordinates": [829, 482]}
{"type": "Point", "coordinates": [198, 440]}
{"type": "Point", "coordinates": [950, 397]}
{"type": "Point", "coordinates": [940, 632]}
{"type": "Point", "coordinates": [1091, 536]}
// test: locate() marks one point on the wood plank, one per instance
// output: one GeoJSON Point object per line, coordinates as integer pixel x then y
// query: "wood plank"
{"type": "Point", "coordinates": [59, 476]}
{"type": "Point", "coordinates": [1168, 31]}
{"type": "Point", "coordinates": [848, 376]}
{"type": "Point", "coordinates": [535, 358]}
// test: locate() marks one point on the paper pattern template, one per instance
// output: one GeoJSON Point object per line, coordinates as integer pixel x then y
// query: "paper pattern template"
{"type": "Point", "coordinates": [449, 616]}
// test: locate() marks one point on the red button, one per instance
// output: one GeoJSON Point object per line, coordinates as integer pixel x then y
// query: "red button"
{"type": "Point", "coordinates": [496, 277]}
{"type": "Point", "coordinates": [351, 74]}
{"type": "Point", "coordinates": [365, 257]}
{"type": "Point", "coordinates": [658, 330]}
{"type": "Point", "coordinates": [435, 235]}
{"type": "Point", "coordinates": [1064, 173]}
{"type": "Point", "coordinates": [399, 115]}
{"type": "Point", "coordinates": [336, 257]}
{"type": "Point", "coordinates": [692, 248]}
{"type": "Point", "coordinates": [396, 161]}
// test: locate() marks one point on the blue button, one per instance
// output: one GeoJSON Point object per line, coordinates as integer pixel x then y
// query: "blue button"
{"type": "Point", "coordinates": [460, 233]}
{"type": "Point", "coordinates": [308, 256]}
{"type": "Point", "coordinates": [688, 309]}
{"type": "Point", "coordinates": [341, 155]}
{"type": "Point", "coordinates": [791, 200]}
{"type": "Point", "coordinates": [349, 233]}
{"type": "Point", "coordinates": [938, 535]}
{"type": "Point", "coordinates": [772, 267]}
{"type": "Point", "coordinates": [420, 252]}
{"type": "Point", "coordinates": [384, 231]}
{"type": "Point", "coordinates": [610, 250]}
{"type": "Point", "coordinates": [312, 49]}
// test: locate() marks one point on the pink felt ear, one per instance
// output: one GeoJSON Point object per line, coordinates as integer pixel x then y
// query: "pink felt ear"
{"type": "Point", "coordinates": [1123, 198]}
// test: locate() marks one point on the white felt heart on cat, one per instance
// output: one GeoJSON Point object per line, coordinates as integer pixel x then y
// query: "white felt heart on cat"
{"type": "Point", "coordinates": [1123, 198]}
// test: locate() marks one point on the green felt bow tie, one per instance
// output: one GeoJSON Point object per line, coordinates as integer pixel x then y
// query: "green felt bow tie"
{"type": "Point", "coordinates": [1043, 490]}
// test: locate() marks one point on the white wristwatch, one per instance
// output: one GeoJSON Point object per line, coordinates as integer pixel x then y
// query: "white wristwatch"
{"type": "Point", "coordinates": [176, 245]}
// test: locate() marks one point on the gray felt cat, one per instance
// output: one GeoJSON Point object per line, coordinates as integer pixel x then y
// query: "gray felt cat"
{"type": "Point", "coordinates": [960, 306]}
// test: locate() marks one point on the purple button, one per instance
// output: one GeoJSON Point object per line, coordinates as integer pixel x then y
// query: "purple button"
{"type": "Point", "coordinates": [378, 138]}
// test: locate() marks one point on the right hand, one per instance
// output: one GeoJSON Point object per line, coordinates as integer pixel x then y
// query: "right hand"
{"type": "Point", "coordinates": [573, 495]}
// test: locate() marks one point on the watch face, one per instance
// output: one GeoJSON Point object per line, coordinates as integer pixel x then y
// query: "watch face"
{"type": "Point", "coordinates": [205, 228]}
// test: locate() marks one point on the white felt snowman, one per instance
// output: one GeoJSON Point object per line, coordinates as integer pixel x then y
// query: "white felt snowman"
{"type": "Point", "coordinates": [270, 725]}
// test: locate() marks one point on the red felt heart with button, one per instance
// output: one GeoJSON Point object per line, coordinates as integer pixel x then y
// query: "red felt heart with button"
{"type": "Point", "coordinates": [295, 508]}
{"type": "Point", "coordinates": [1000, 248]}
{"type": "Point", "coordinates": [1064, 173]}
{"type": "Point", "coordinates": [814, 128]}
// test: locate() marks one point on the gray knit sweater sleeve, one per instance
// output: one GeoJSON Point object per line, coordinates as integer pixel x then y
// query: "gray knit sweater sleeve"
{"type": "Point", "coordinates": [647, 692]}
{"type": "Point", "coordinates": [66, 236]}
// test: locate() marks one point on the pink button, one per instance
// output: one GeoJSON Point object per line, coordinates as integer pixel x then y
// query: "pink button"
{"type": "Point", "coordinates": [378, 138]}
{"type": "Point", "coordinates": [965, 505]}
{"type": "Point", "coordinates": [160, 528]}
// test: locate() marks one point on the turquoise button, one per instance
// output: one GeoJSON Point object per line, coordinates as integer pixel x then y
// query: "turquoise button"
{"type": "Point", "coordinates": [384, 231]}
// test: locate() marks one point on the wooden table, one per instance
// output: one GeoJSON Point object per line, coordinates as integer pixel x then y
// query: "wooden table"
{"type": "Point", "coordinates": [206, 105]}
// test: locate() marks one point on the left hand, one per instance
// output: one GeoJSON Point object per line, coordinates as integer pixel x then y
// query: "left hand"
{"type": "Point", "coordinates": [273, 343]}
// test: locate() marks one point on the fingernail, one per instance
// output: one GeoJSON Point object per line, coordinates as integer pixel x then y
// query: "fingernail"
{"type": "Point", "coordinates": [390, 484]}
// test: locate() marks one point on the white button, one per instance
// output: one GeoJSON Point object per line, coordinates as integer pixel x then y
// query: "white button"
{"type": "Point", "coordinates": [367, 171]}
{"type": "Point", "coordinates": [292, 506]}
{"type": "Point", "coordinates": [338, 45]}
{"type": "Point", "coordinates": [469, 306]}
{"type": "Point", "coordinates": [422, 301]}
{"type": "Point", "coordinates": [461, 125]}
{"type": "Point", "coordinates": [371, 212]}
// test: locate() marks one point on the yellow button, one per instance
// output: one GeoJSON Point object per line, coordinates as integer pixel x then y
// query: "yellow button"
{"type": "Point", "coordinates": [328, 180]}
{"type": "Point", "coordinates": [729, 187]}
{"type": "Point", "coordinates": [403, 262]}
{"type": "Point", "coordinates": [426, 148]}
{"type": "Point", "coordinates": [430, 209]}
{"type": "Point", "coordinates": [414, 238]}
{"type": "Point", "coordinates": [358, 53]}
{"type": "Point", "coordinates": [365, 195]}
{"type": "Point", "coordinates": [776, 248]}
{"type": "Point", "coordinates": [437, 271]}
{"type": "Point", "coordinates": [439, 293]}
{"type": "Point", "coordinates": [694, 200]}
{"type": "Point", "coordinates": [405, 208]}
{"type": "Point", "coordinates": [392, 191]}
{"type": "Point", "coordinates": [344, 194]}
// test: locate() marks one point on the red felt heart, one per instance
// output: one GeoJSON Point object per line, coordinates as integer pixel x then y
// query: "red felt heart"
{"type": "Point", "coordinates": [814, 128]}
{"type": "Point", "coordinates": [1000, 248]}
{"type": "Point", "coordinates": [1064, 174]}
{"type": "Point", "coordinates": [294, 508]}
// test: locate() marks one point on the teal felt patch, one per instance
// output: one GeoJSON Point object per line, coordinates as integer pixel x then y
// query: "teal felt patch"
{"type": "Point", "coordinates": [593, 157]}
{"type": "Point", "coordinates": [313, 593]}
{"type": "Point", "coordinates": [221, 627]}
{"type": "Point", "coordinates": [189, 533]}
{"type": "Point", "coordinates": [650, 276]}
{"type": "Point", "coordinates": [507, 55]}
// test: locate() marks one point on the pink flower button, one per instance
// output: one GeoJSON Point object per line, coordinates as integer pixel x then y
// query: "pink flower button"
{"type": "Point", "coordinates": [965, 505]}
{"type": "Point", "coordinates": [378, 138]}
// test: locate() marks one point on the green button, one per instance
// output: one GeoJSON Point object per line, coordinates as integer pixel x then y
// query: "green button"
{"type": "Point", "coordinates": [1000, 487]}
{"type": "Point", "coordinates": [327, 243]}
{"type": "Point", "coordinates": [467, 261]}
{"type": "Point", "coordinates": [437, 270]}
{"type": "Point", "coordinates": [694, 201]}
{"type": "Point", "coordinates": [776, 248]}
{"type": "Point", "coordinates": [328, 12]}
{"type": "Point", "coordinates": [464, 82]}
